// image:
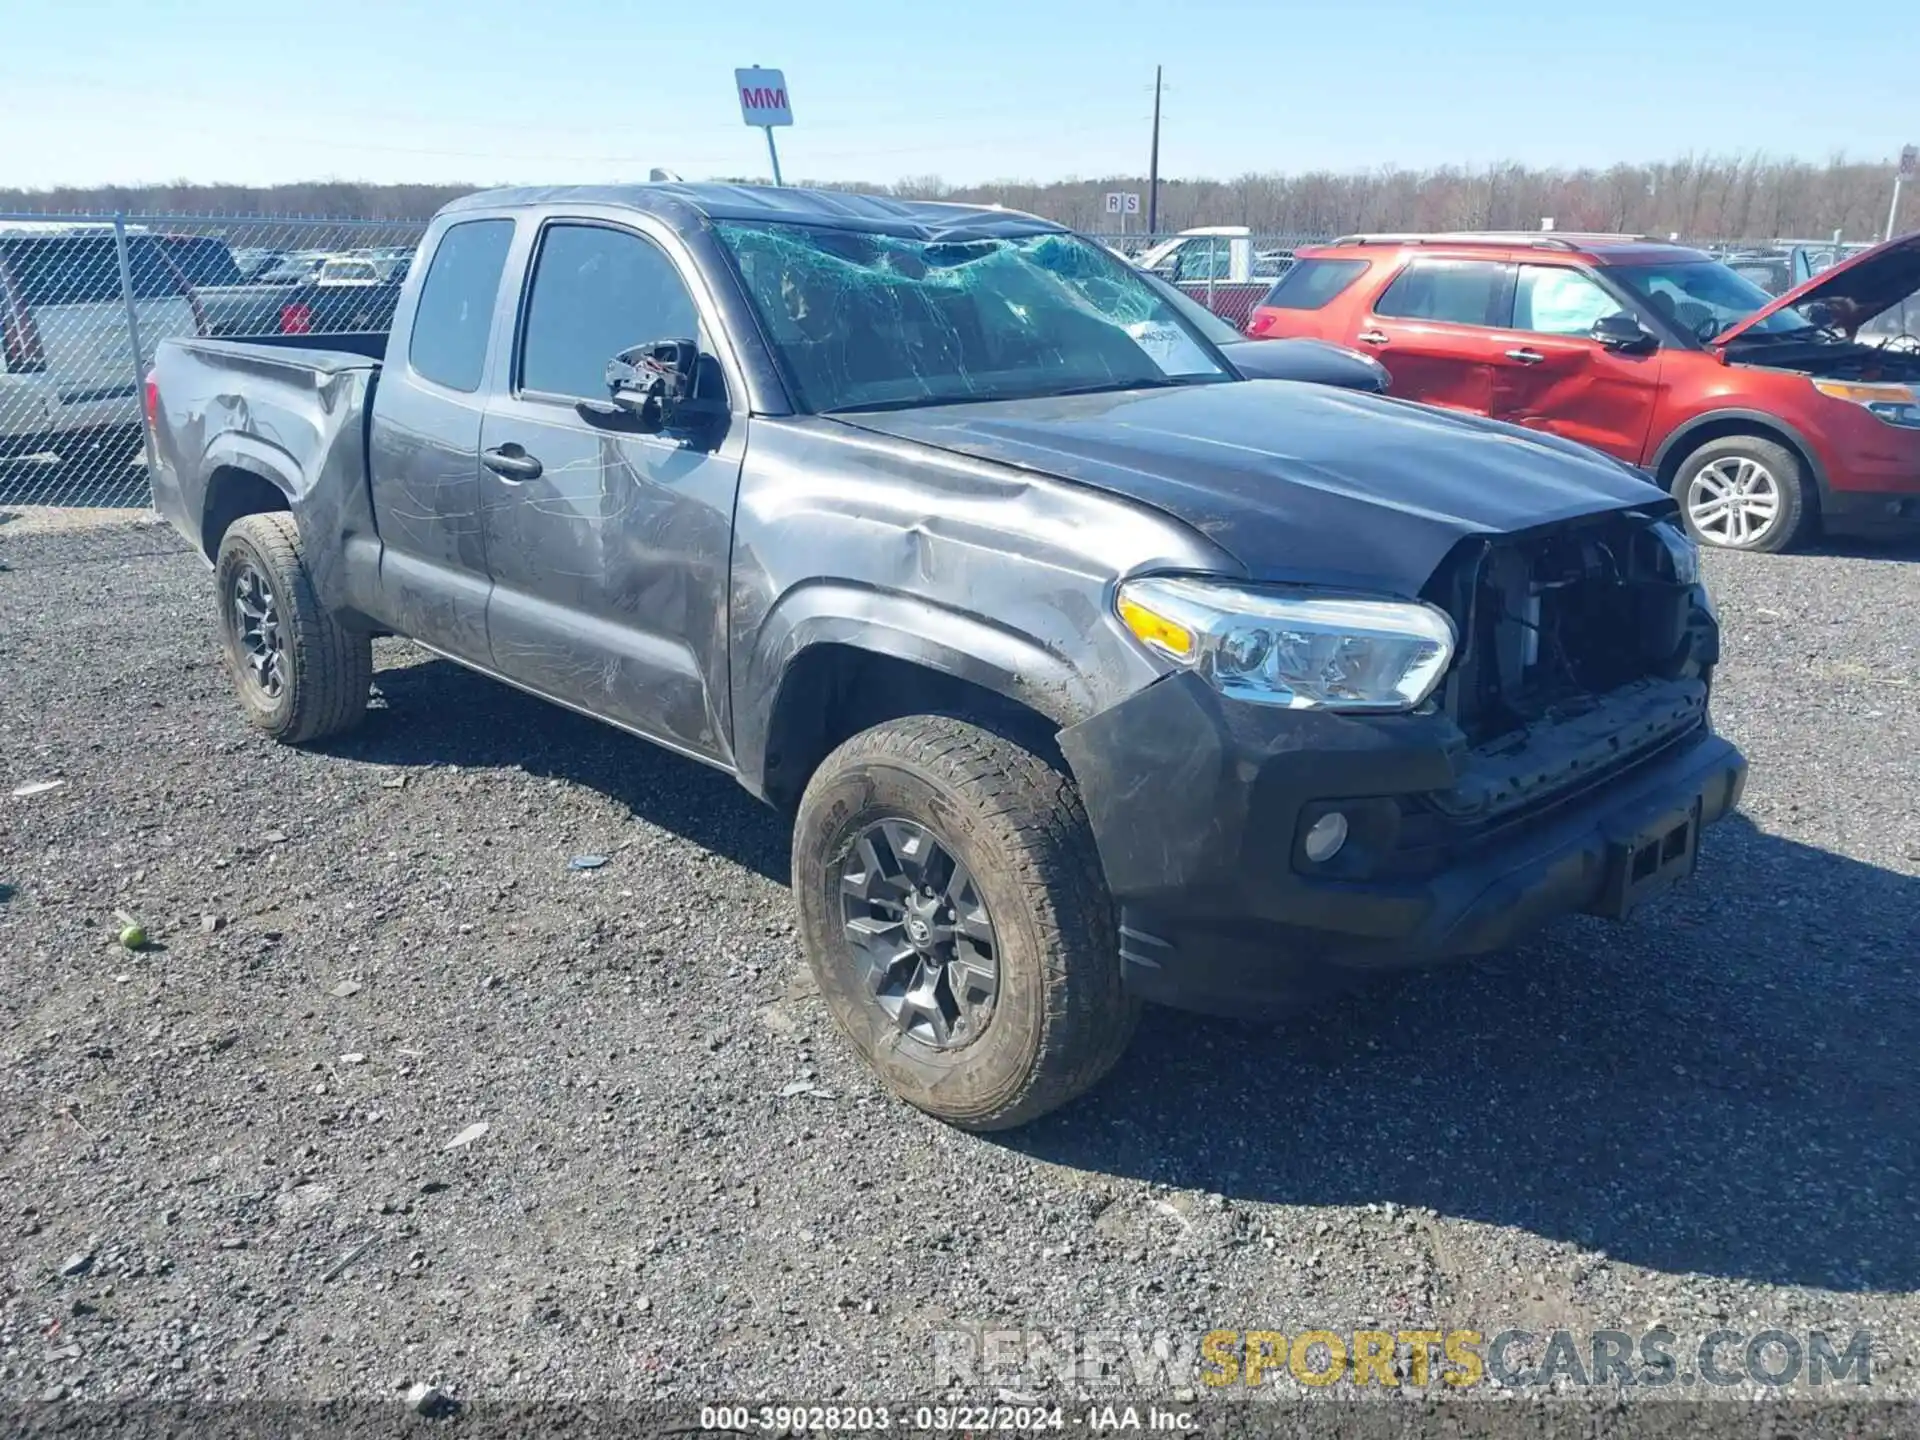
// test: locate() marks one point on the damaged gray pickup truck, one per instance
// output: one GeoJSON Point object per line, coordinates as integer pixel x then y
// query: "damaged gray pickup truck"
{"type": "Point", "coordinates": [1089, 669]}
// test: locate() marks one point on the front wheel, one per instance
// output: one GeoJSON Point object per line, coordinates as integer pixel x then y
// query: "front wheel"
{"type": "Point", "coordinates": [956, 920]}
{"type": "Point", "coordinates": [300, 673]}
{"type": "Point", "coordinates": [1744, 493]}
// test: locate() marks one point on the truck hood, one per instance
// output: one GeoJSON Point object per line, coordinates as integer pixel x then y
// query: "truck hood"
{"type": "Point", "coordinates": [1863, 286]}
{"type": "Point", "coordinates": [1295, 481]}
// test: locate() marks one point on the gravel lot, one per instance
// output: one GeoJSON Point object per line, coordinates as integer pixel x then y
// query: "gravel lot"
{"type": "Point", "coordinates": [238, 1140]}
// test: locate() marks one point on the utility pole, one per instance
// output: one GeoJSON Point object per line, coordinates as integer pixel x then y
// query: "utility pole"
{"type": "Point", "coordinates": [1909, 168]}
{"type": "Point", "coordinates": [1153, 163]}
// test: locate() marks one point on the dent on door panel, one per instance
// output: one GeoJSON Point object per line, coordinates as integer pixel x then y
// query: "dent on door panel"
{"type": "Point", "coordinates": [611, 579]}
{"type": "Point", "coordinates": [425, 469]}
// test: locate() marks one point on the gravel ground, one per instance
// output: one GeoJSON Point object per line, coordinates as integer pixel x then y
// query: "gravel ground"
{"type": "Point", "coordinates": [233, 1162]}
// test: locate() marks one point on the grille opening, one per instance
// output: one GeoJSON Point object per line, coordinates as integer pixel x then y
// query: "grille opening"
{"type": "Point", "coordinates": [1552, 621]}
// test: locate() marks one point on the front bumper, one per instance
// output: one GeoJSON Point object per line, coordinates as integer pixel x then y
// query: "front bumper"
{"type": "Point", "coordinates": [1872, 512]}
{"type": "Point", "coordinates": [1198, 802]}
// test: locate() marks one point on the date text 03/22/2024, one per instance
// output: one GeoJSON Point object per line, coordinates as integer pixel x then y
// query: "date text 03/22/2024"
{"type": "Point", "coordinates": [940, 1419]}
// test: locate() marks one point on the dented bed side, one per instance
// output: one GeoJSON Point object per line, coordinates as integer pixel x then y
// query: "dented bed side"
{"type": "Point", "coordinates": [233, 415]}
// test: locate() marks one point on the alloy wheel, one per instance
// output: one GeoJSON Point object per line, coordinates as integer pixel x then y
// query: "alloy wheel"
{"type": "Point", "coordinates": [1734, 501]}
{"type": "Point", "coordinates": [257, 626]}
{"type": "Point", "coordinates": [920, 933]}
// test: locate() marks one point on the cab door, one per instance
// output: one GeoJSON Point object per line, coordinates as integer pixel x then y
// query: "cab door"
{"type": "Point", "coordinates": [1435, 328]}
{"type": "Point", "coordinates": [1560, 379]}
{"type": "Point", "coordinates": [422, 443]}
{"type": "Point", "coordinates": [609, 547]}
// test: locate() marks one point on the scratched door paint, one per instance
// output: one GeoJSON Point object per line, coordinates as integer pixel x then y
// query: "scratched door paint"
{"type": "Point", "coordinates": [610, 565]}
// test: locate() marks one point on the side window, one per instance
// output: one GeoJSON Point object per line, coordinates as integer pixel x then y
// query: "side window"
{"type": "Point", "coordinates": [1203, 259]}
{"type": "Point", "coordinates": [1312, 284]}
{"type": "Point", "coordinates": [1552, 300]}
{"type": "Point", "coordinates": [155, 277]}
{"type": "Point", "coordinates": [1458, 292]}
{"type": "Point", "coordinates": [449, 341]}
{"type": "Point", "coordinates": [67, 270]}
{"type": "Point", "coordinates": [597, 292]}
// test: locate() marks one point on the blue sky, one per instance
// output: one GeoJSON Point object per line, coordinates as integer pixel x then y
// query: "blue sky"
{"type": "Point", "coordinates": [99, 91]}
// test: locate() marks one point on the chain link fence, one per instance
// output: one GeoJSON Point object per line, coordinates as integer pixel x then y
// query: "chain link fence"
{"type": "Point", "coordinates": [84, 299]}
{"type": "Point", "coordinates": [1228, 272]}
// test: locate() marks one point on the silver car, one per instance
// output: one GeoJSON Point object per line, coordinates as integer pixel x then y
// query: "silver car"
{"type": "Point", "coordinates": [68, 374]}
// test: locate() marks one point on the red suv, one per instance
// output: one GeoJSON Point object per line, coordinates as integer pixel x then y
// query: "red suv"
{"type": "Point", "coordinates": [1765, 417]}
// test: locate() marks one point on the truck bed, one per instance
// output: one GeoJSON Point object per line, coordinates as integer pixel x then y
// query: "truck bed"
{"type": "Point", "coordinates": [275, 409]}
{"type": "Point", "coordinates": [325, 353]}
{"type": "Point", "coordinates": [241, 309]}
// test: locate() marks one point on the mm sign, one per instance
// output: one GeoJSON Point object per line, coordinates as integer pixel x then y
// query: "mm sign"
{"type": "Point", "coordinates": [763, 97]}
{"type": "Point", "coordinates": [1910, 163]}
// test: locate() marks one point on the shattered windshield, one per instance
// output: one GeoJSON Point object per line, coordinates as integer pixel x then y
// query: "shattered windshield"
{"type": "Point", "coordinates": [861, 320]}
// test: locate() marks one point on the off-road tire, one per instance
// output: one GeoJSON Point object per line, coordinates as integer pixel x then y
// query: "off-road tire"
{"type": "Point", "coordinates": [327, 666]}
{"type": "Point", "coordinates": [1061, 1018]}
{"type": "Point", "coordinates": [1799, 514]}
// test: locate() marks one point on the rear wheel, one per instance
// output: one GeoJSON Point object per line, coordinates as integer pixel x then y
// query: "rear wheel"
{"type": "Point", "coordinates": [956, 920]}
{"type": "Point", "coordinates": [300, 673]}
{"type": "Point", "coordinates": [1742, 492]}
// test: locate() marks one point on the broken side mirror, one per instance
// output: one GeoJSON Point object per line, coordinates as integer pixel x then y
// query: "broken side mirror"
{"type": "Point", "coordinates": [658, 383]}
{"type": "Point", "coordinates": [1622, 332]}
{"type": "Point", "coordinates": [650, 381]}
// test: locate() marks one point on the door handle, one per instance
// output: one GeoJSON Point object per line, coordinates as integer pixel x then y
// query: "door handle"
{"type": "Point", "coordinates": [1372, 337]}
{"type": "Point", "coordinates": [511, 463]}
{"type": "Point", "coordinates": [1526, 357]}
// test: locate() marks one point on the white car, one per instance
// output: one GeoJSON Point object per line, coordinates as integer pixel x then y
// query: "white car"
{"type": "Point", "coordinates": [348, 270]}
{"type": "Point", "coordinates": [69, 379]}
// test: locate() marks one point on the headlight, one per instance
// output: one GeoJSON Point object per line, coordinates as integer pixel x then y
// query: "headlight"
{"type": "Point", "coordinates": [1293, 648]}
{"type": "Point", "coordinates": [1895, 404]}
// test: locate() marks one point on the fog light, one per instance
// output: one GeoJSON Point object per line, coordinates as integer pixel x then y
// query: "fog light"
{"type": "Point", "coordinates": [1325, 837]}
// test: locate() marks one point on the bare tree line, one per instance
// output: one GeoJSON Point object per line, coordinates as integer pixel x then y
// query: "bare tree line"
{"type": "Point", "coordinates": [1701, 197]}
{"type": "Point", "coordinates": [1749, 197]}
{"type": "Point", "coordinates": [331, 199]}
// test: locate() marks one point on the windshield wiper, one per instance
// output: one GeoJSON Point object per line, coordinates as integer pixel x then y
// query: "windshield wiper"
{"type": "Point", "coordinates": [980, 398]}
{"type": "Point", "coordinates": [1810, 334]}
{"type": "Point", "coordinates": [1163, 382]}
{"type": "Point", "coordinates": [911, 402]}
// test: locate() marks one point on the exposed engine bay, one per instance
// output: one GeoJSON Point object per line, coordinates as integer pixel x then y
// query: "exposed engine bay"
{"type": "Point", "coordinates": [1551, 622]}
{"type": "Point", "coordinates": [1895, 362]}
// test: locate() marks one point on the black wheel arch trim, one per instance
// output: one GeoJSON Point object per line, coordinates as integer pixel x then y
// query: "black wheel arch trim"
{"type": "Point", "coordinates": [902, 628]}
{"type": "Point", "coordinates": [1677, 442]}
{"type": "Point", "coordinates": [235, 451]}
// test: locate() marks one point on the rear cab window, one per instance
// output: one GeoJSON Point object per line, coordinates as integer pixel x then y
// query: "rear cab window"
{"type": "Point", "coordinates": [1450, 292]}
{"type": "Point", "coordinates": [454, 315]}
{"type": "Point", "coordinates": [1313, 284]}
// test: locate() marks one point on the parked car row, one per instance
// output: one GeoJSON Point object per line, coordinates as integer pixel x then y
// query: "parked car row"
{"type": "Point", "coordinates": [1767, 416]}
{"type": "Point", "coordinates": [69, 378]}
{"type": "Point", "coordinates": [290, 293]}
